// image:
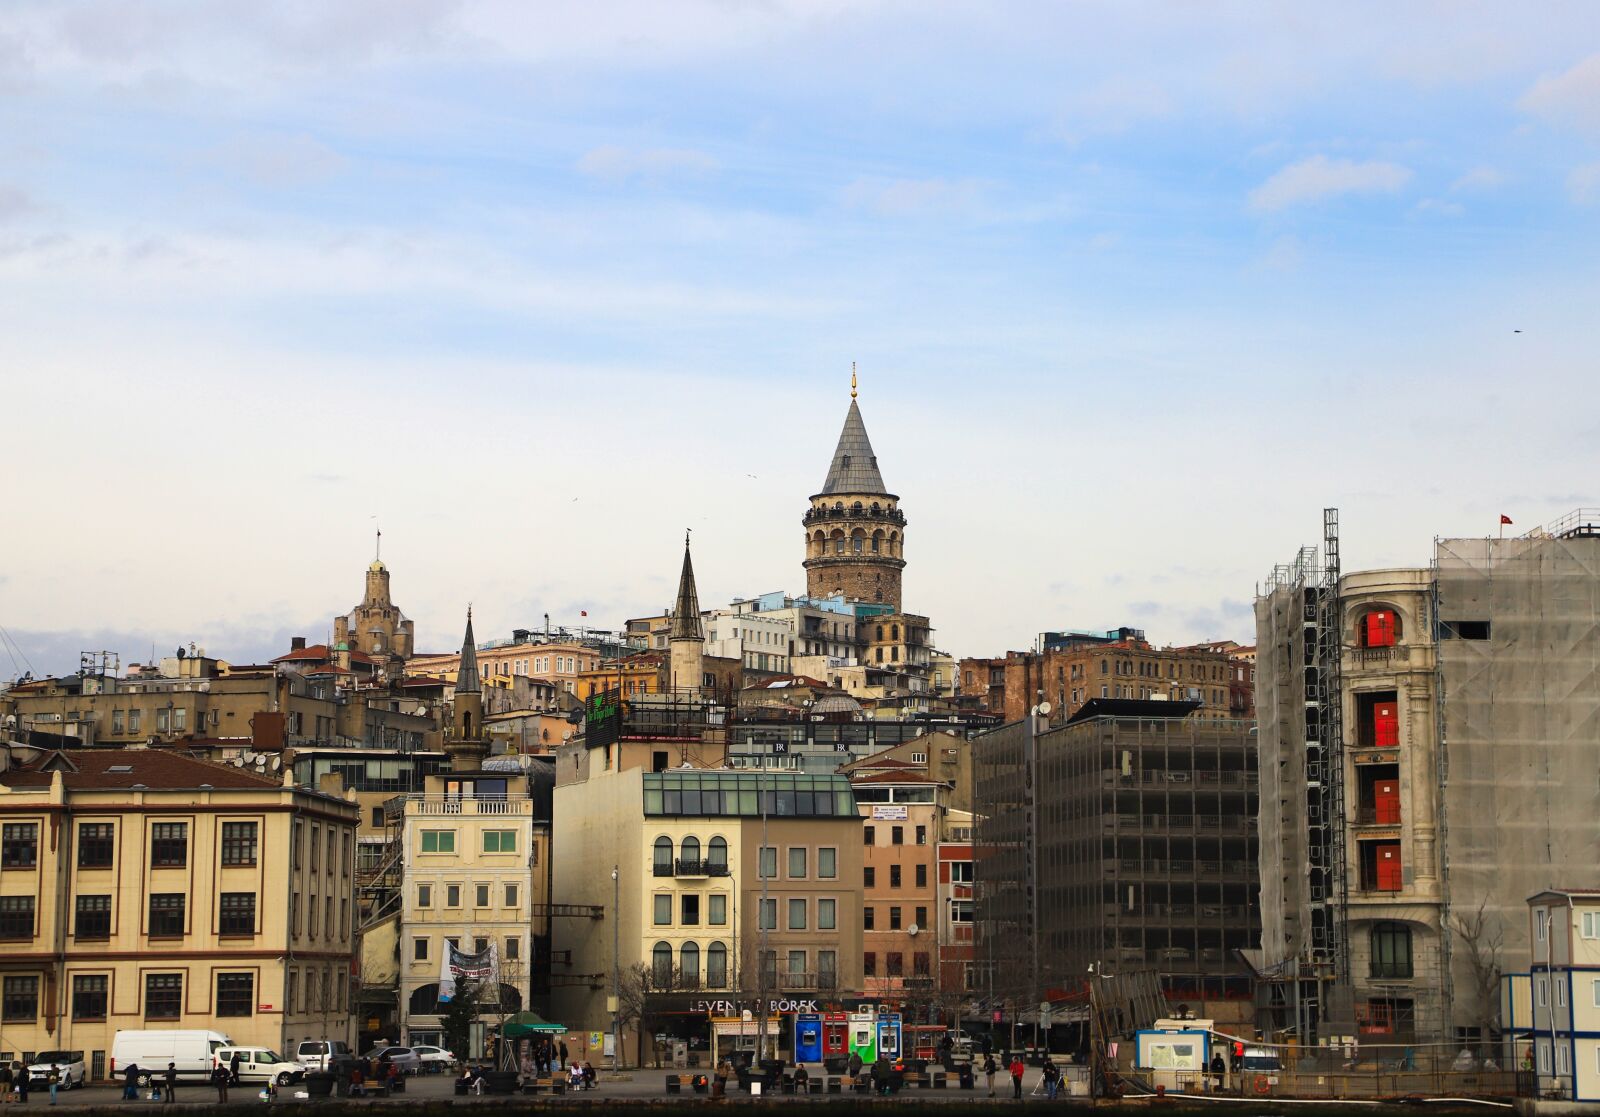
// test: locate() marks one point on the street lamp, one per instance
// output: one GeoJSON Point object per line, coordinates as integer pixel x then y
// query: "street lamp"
{"type": "Point", "coordinates": [616, 973]}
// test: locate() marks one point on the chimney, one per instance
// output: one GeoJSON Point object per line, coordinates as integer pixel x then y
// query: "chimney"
{"type": "Point", "coordinates": [297, 644]}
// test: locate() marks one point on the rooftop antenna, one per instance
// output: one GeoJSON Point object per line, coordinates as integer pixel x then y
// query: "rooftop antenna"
{"type": "Point", "coordinates": [377, 554]}
{"type": "Point", "coordinates": [852, 380]}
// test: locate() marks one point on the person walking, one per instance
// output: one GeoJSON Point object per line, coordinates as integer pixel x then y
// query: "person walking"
{"type": "Point", "coordinates": [19, 1081]}
{"type": "Point", "coordinates": [989, 1070]}
{"type": "Point", "coordinates": [52, 1079]}
{"type": "Point", "coordinates": [130, 1082]}
{"type": "Point", "coordinates": [5, 1082]}
{"type": "Point", "coordinates": [233, 1066]}
{"type": "Point", "coordinates": [1052, 1078]}
{"type": "Point", "coordinates": [220, 1077]}
{"type": "Point", "coordinates": [171, 1093]}
{"type": "Point", "coordinates": [1017, 1070]}
{"type": "Point", "coordinates": [563, 1054]}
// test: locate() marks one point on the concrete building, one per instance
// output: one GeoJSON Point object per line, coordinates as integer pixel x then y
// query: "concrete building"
{"type": "Point", "coordinates": [1391, 863]}
{"type": "Point", "coordinates": [1564, 927]}
{"type": "Point", "coordinates": [556, 665]}
{"type": "Point", "coordinates": [855, 531]}
{"type": "Point", "coordinates": [140, 888]}
{"type": "Point", "coordinates": [900, 833]}
{"type": "Point", "coordinates": [1123, 838]}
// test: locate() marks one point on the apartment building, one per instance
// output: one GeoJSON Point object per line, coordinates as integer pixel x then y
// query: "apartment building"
{"type": "Point", "coordinates": [899, 864]}
{"type": "Point", "coordinates": [143, 889]}
{"type": "Point", "coordinates": [1564, 927]}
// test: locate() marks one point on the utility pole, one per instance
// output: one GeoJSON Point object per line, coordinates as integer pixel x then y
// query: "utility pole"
{"type": "Point", "coordinates": [761, 923]}
{"type": "Point", "coordinates": [616, 967]}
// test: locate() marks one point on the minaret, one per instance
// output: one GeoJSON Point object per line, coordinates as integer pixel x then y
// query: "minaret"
{"type": "Point", "coordinates": [686, 638]}
{"type": "Point", "coordinates": [855, 531]}
{"type": "Point", "coordinates": [466, 744]}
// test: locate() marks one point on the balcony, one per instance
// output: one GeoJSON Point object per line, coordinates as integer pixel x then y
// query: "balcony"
{"type": "Point", "coordinates": [441, 806]}
{"type": "Point", "coordinates": [1386, 814]}
{"type": "Point", "coordinates": [885, 515]}
{"type": "Point", "coordinates": [694, 867]}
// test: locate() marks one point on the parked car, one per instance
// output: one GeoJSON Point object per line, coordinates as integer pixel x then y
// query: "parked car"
{"type": "Point", "coordinates": [321, 1054]}
{"type": "Point", "coordinates": [152, 1049]}
{"type": "Point", "coordinates": [402, 1057]}
{"type": "Point", "coordinates": [433, 1060]}
{"type": "Point", "coordinates": [68, 1064]}
{"type": "Point", "coordinates": [260, 1064]}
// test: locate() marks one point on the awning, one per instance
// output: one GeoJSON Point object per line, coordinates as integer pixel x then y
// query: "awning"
{"type": "Point", "coordinates": [529, 1024]}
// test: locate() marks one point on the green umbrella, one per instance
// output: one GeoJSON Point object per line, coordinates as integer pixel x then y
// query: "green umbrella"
{"type": "Point", "coordinates": [529, 1024]}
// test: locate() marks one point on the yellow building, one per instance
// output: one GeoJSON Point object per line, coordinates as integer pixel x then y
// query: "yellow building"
{"type": "Point", "coordinates": [145, 889]}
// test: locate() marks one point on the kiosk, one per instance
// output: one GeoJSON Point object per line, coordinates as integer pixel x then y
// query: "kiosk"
{"type": "Point", "coordinates": [889, 1036]}
{"type": "Point", "coordinates": [808, 1046]}
{"type": "Point", "coordinates": [835, 1035]}
{"type": "Point", "coordinates": [863, 1036]}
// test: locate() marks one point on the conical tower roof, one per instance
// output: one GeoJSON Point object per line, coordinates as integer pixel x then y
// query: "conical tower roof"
{"type": "Point", "coordinates": [467, 678]}
{"type": "Point", "coordinates": [855, 466]}
{"type": "Point", "coordinates": [686, 614]}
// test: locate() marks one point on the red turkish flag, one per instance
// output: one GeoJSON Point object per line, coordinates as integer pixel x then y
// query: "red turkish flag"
{"type": "Point", "coordinates": [1504, 518]}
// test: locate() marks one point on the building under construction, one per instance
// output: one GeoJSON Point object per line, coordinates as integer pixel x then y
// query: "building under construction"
{"type": "Point", "coordinates": [1429, 739]}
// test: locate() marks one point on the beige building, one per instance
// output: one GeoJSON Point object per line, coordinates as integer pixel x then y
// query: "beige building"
{"type": "Point", "coordinates": [558, 665]}
{"type": "Point", "coordinates": [144, 889]}
{"type": "Point", "coordinates": [376, 627]}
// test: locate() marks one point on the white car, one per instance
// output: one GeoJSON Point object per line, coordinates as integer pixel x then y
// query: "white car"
{"type": "Point", "coordinates": [260, 1064]}
{"type": "Point", "coordinates": [433, 1060]}
{"type": "Point", "coordinates": [67, 1064]}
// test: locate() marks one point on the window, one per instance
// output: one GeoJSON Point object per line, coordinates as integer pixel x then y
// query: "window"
{"type": "Point", "coordinates": [1391, 950]}
{"type": "Point", "coordinates": [134, 718]}
{"type": "Point", "coordinates": [661, 965]}
{"type": "Point", "coordinates": [92, 917]}
{"type": "Point", "coordinates": [1561, 992]}
{"type": "Point", "coordinates": [717, 910]}
{"type": "Point", "coordinates": [236, 913]}
{"type": "Point", "coordinates": [869, 964]}
{"type": "Point", "coordinates": [922, 918]}
{"type": "Point", "coordinates": [689, 963]}
{"type": "Point", "coordinates": [16, 917]}
{"type": "Point", "coordinates": [513, 896]}
{"type": "Point", "coordinates": [689, 908]}
{"type": "Point", "coordinates": [419, 949]}
{"type": "Point", "coordinates": [239, 843]}
{"type": "Point", "coordinates": [769, 861]}
{"type": "Point", "coordinates": [663, 856]}
{"type": "Point", "coordinates": [868, 917]}
{"type": "Point", "coordinates": [961, 872]}
{"type": "Point", "coordinates": [869, 835]}
{"type": "Point", "coordinates": [922, 876]}
{"type": "Point", "coordinates": [894, 965]}
{"type": "Point", "coordinates": [163, 996]}
{"type": "Point", "coordinates": [961, 911]}
{"type": "Point", "coordinates": [797, 963]}
{"type": "Point", "coordinates": [689, 849]}
{"type": "Point", "coordinates": [1591, 925]}
{"type": "Point", "coordinates": [513, 948]}
{"type": "Point", "coordinates": [769, 915]}
{"type": "Point", "coordinates": [1464, 630]}
{"type": "Point", "coordinates": [922, 835]}
{"type": "Point", "coordinates": [894, 919]}
{"type": "Point", "coordinates": [481, 895]}
{"type": "Point", "coordinates": [717, 965]}
{"type": "Point", "coordinates": [663, 910]}
{"type": "Point", "coordinates": [797, 915]}
{"type": "Point", "coordinates": [479, 945]}
{"type": "Point", "coordinates": [438, 841]}
{"type": "Point", "coordinates": [452, 895]}
{"type": "Point", "coordinates": [1541, 924]}
{"type": "Point", "coordinates": [499, 841]}
{"type": "Point", "coordinates": [1597, 993]}
{"type": "Point", "coordinates": [827, 863]}
{"type": "Point", "coordinates": [96, 845]}
{"type": "Point", "coordinates": [919, 964]}
{"type": "Point", "coordinates": [424, 895]}
{"type": "Point", "coordinates": [827, 914]}
{"type": "Point", "coordinates": [236, 994]}
{"type": "Point", "coordinates": [169, 845]}
{"type": "Point", "coordinates": [869, 877]}
{"type": "Point", "coordinates": [717, 856]}
{"type": "Point", "coordinates": [89, 997]}
{"type": "Point", "coordinates": [19, 999]}
{"type": "Point", "coordinates": [377, 818]}
{"type": "Point", "coordinates": [19, 845]}
{"type": "Point", "coordinates": [166, 914]}
{"type": "Point", "coordinates": [1378, 629]}
{"type": "Point", "coordinates": [894, 876]}
{"type": "Point", "coordinates": [897, 835]}
{"type": "Point", "coordinates": [1542, 989]}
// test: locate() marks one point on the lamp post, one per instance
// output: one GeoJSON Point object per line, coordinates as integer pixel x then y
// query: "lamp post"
{"type": "Point", "coordinates": [616, 973]}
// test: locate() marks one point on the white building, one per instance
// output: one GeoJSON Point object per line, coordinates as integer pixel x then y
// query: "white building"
{"type": "Point", "coordinates": [1565, 982]}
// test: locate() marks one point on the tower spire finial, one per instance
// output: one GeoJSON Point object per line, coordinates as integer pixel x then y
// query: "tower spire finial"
{"type": "Point", "coordinates": [377, 553]}
{"type": "Point", "coordinates": [852, 380]}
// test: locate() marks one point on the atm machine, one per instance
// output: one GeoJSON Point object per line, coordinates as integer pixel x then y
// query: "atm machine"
{"type": "Point", "coordinates": [889, 1036]}
{"type": "Point", "coordinates": [808, 1046]}
{"type": "Point", "coordinates": [863, 1037]}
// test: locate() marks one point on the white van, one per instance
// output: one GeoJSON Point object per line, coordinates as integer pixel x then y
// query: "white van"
{"type": "Point", "coordinates": [320, 1054]}
{"type": "Point", "coordinates": [260, 1064]}
{"type": "Point", "coordinates": [151, 1051]}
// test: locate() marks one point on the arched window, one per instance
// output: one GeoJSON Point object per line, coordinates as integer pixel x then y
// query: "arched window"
{"type": "Point", "coordinates": [717, 854]}
{"type": "Point", "coordinates": [876, 508]}
{"type": "Point", "coordinates": [1380, 628]}
{"type": "Point", "coordinates": [1391, 950]}
{"type": "Point", "coordinates": [690, 849]}
{"type": "Point", "coordinates": [894, 542]}
{"type": "Point", "coordinates": [1102, 667]}
{"type": "Point", "coordinates": [661, 966]}
{"type": "Point", "coordinates": [858, 543]}
{"type": "Point", "coordinates": [856, 508]}
{"type": "Point", "coordinates": [894, 632]}
{"type": "Point", "coordinates": [689, 964]}
{"type": "Point", "coordinates": [838, 544]}
{"type": "Point", "coordinates": [877, 542]}
{"type": "Point", "coordinates": [838, 506]}
{"type": "Point", "coordinates": [663, 856]}
{"type": "Point", "coordinates": [716, 965]}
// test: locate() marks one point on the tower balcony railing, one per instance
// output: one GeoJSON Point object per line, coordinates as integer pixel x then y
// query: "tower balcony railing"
{"type": "Point", "coordinates": [824, 515]}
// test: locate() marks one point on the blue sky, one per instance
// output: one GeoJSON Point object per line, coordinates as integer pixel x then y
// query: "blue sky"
{"type": "Point", "coordinates": [1135, 289]}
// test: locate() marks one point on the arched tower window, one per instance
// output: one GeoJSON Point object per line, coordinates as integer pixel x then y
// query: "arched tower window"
{"type": "Point", "coordinates": [877, 541]}
{"type": "Point", "coordinates": [858, 542]}
{"type": "Point", "coordinates": [1391, 950]}
{"type": "Point", "coordinates": [894, 543]}
{"type": "Point", "coordinates": [855, 508]}
{"type": "Point", "coordinates": [838, 542]}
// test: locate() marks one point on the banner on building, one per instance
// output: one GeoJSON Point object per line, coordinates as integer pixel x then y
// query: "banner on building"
{"type": "Point", "coordinates": [482, 969]}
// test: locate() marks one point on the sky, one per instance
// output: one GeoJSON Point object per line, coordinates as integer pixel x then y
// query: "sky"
{"type": "Point", "coordinates": [1135, 289]}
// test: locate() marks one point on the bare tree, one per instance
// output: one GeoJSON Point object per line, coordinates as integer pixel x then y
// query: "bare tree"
{"type": "Point", "coordinates": [1482, 938]}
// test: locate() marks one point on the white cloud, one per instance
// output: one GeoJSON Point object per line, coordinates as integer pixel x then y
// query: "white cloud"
{"type": "Point", "coordinates": [1114, 106]}
{"type": "Point", "coordinates": [1437, 207]}
{"type": "Point", "coordinates": [618, 164]}
{"type": "Point", "coordinates": [278, 160]}
{"type": "Point", "coordinates": [1571, 97]}
{"type": "Point", "coordinates": [1478, 180]}
{"type": "Point", "coordinates": [1583, 184]}
{"type": "Point", "coordinates": [14, 202]}
{"type": "Point", "coordinates": [1319, 178]}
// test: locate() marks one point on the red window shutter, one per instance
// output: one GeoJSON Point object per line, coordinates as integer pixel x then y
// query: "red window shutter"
{"type": "Point", "coordinates": [1389, 874]}
{"type": "Point", "coordinates": [1380, 629]}
{"type": "Point", "coordinates": [1386, 800]}
{"type": "Point", "coordinates": [1386, 725]}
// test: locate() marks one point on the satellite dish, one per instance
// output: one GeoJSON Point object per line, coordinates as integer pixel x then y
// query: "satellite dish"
{"type": "Point", "coordinates": [912, 930]}
{"type": "Point", "coordinates": [277, 762]}
{"type": "Point", "coordinates": [1044, 709]}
